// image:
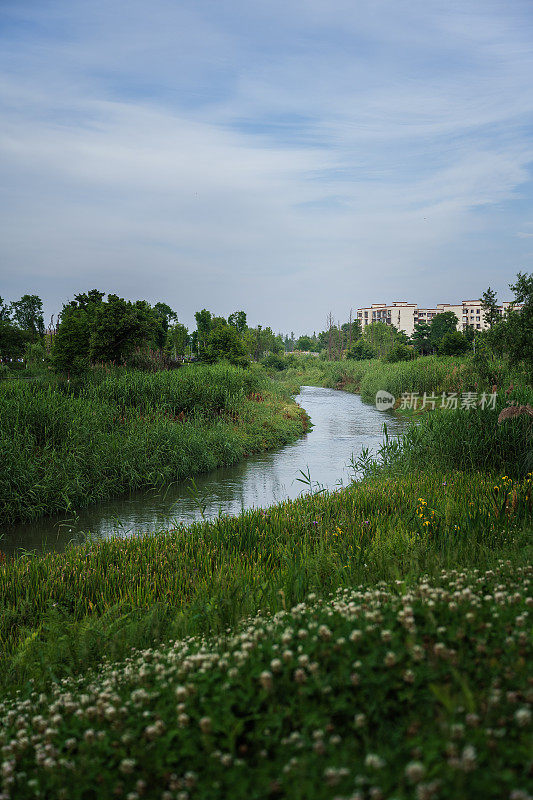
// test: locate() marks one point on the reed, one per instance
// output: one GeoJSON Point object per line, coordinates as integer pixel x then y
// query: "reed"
{"type": "Point", "coordinates": [63, 447]}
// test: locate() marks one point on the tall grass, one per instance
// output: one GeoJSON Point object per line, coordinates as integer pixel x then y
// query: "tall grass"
{"type": "Point", "coordinates": [428, 374]}
{"type": "Point", "coordinates": [62, 449]}
{"type": "Point", "coordinates": [63, 612]}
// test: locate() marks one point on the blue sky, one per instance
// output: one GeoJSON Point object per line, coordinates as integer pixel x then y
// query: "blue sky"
{"type": "Point", "coordinates": [288, 158]}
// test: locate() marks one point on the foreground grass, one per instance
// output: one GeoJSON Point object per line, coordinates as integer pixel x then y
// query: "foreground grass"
{"type": "Point", "coordinates": [385, 691]}
{"type": "Point", "coordinates": [63, 447]}
{"type": "Point", "coordinates": [61, 613]}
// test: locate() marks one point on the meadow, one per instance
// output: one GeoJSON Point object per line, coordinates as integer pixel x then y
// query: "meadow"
{"type": "Point", "coordinates": [64, 445]}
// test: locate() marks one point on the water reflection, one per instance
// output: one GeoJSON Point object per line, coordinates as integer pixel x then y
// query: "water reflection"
{"type": "Point", "coordinates": [343, 425]}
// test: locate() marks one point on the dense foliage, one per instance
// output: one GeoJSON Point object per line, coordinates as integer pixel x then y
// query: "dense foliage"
{"type": "Point", "coordinates": [65, 445]}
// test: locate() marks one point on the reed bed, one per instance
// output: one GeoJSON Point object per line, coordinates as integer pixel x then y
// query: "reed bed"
{"type": "Point", "coordinates": [411, 692]}
{"type": "Point", "coordinates": [430, 374]}
{"type": "Point", "coordinates": [62, 447]}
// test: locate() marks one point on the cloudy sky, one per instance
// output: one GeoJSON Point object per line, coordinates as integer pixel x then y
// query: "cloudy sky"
{"type": "Point", "coordinates": [285, 157]}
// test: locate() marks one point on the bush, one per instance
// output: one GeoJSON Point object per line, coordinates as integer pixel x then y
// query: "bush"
{"type": "Point", "coordinates": [453, 344]}
{"type": "Point", "coordinates": [276, 362]}
{"type": "Point", "coordinates": [399, 352]}
{"type": "Point", "coordinates": [361, 350]}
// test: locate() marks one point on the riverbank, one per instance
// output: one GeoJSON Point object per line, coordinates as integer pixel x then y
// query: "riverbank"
{"type": "Point", "coordinates": [65, 446]}
{"type": "Point", "coordinates": [430, 374]}
{"type": "Point", "coordinates": [63, 613]}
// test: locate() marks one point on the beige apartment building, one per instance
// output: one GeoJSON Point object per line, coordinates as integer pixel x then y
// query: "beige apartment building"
{"type": "Point", "coordinates": [404, 316]}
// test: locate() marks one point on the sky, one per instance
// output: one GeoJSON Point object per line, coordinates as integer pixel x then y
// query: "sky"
{"type": "Point", "coordinates": [287, 158]}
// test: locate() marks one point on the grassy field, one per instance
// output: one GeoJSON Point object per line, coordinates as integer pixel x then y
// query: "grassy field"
{"type": "Point", "coordinates": [64, 446]}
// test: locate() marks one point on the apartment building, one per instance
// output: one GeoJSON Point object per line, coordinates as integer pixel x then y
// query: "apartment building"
{"type": "Point", "coordinates": [404, 316]}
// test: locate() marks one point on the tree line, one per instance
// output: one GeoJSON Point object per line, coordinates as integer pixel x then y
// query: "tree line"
{"type": "Point", "coordinates": [94, 328]}
{"type": "Point", "coordinates": [509, 335]}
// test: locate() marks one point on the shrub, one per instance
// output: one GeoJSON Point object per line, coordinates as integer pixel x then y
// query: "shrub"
{"type": "Point", "coordinates": [399, 352]}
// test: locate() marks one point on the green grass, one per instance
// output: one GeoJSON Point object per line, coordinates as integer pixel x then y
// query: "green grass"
{"type": "Point", "coordinates": [65, 446]}
{"type": "Point", "coordinates": [429, 374]}
{"type": "Point", "coordinates": [63, 612]}
{"type": "Point", "coordinates": [384, 691]}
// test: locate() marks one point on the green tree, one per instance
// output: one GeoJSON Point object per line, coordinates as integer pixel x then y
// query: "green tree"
{"type": "Point", "coordinates": [304, 343]}
{"type": "Point", "coordinates": [177, 340]}
{"type": "Point", "coordinates": [361, 350]}
{"type": "Point", "coordinates": [238, 321]}
{"type": "Point", "coordinates": [381, 337]}
{"type": "Point", "coordinates": [400, 352]}
{"type": "Point", "coordinates": [225, 342]}
{"type": "Point", "coordinates": [70, 350]}
{"type": "Point", "coordinates": [119, 327]}
{"type": "Point", "coordinates": [13, 341]}
{"type": "Point", "coordinates": [517, 329]}
{"type": "Point", "coordinates": [5, 311]}
{"type": "Point", "coordinates": [440, 325]}
{"type": "Point", "coordinates": [28, 315]}
{"type": "Point", "coordinates": [453, 344]}
{"type": "Point", "coordinates": [421, 340]}
{"type": "Point", "coordinates": [204, 323]}
{"type": "Point", "coordinates": [163, 316]}
{"type": "Point", "coordinates": [489, 304]}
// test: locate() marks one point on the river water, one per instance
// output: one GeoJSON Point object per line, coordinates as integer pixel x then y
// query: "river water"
{"type": "Point", "coordinates": [342, 426]}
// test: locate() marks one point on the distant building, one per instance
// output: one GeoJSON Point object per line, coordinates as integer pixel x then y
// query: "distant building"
{"type": "Point", "coordinates": [404, 316]}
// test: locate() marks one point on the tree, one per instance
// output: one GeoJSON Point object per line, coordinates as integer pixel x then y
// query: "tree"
{"type": "Point", "coordinates": [440, 325]}
{"type": "Point", "coordinates": [238, 321]}
{"type": "Point", "coordinates": [13, 341]}
{"type": "Point", "coordinates": [225, 342]}
{"type": "Point", "coordinates": [28, 315]}
{"type": "Point", "coordinates": [381, 337]}
{"type": "Point", "coordinates": [163, 316]}
{"type": "Point", "coordinates": [204, 324]}
{"type": "Point", "coordinates": [517, 328]}
{"type": "Point", "coordinates": [70, 351]}
{"type": "Point", "coordinates": [5, 311]}
{"type": "Point", "coordinates": [489, 304]}
{"type": "Point", "coordinates": [400, 352]}
{"type": "Point", "coordinates": [119, 327]}
{"type": "Point", "coordinates": [177, 340]}
{"type": "Point", "coordinates": [304, 343]}
{"type": "Point", "coordinates": [421, 338]}
{"type": "Point", "coordinates": [453, 344]}
{"type": "Point", "coordinates": [361, 350]}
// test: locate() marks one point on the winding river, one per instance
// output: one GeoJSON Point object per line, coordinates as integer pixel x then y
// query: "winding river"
{"type": "Point", "coordinates": [342, 426]}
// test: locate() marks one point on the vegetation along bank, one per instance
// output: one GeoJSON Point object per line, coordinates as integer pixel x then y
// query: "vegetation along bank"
{"type": "Point", "coordinates": [66, 444]}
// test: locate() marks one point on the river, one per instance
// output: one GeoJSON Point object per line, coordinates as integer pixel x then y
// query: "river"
{"type": "Point", "coordinates": [342, 426]}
